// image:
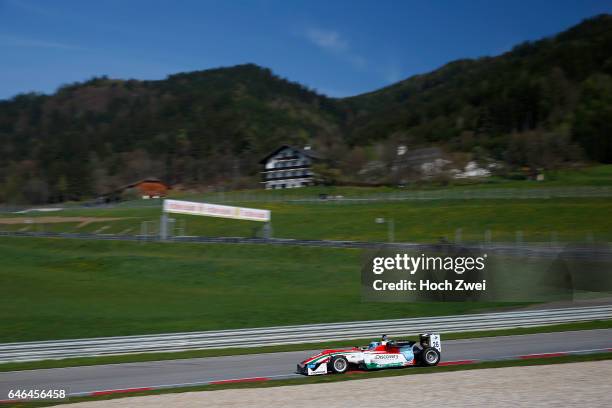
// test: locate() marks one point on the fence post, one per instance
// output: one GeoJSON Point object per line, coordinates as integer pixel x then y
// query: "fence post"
{"type": "Point", "coordinates": [519, 237]}
{"type": "Point", "coordinates": [143, 231]}
{"type": "Point", "coordinates": [267, 230]}
{"type": "Point", "coordinates": [163, 227]}
{"type": "Point", "coordinates": [458, 233]}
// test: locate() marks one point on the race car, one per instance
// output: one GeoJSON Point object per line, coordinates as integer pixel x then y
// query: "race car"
{"type": "Point", "coordinates": [378, 354]}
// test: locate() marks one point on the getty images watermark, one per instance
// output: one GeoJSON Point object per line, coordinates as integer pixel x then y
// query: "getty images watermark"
{"type": "Point", "coordinates": [410, 265]}
{"type": "Point", "coordinates": [455, 273]}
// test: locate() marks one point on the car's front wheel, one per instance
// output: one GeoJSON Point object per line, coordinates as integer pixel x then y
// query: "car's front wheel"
{"type": "Point", "coordinates": [430, 357]}
{"type": "Point", "coordinates": [339, 364]}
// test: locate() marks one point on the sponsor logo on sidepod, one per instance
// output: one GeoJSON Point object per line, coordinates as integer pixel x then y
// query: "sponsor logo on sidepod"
{"type": "Point", "coordinates": [385, 357]}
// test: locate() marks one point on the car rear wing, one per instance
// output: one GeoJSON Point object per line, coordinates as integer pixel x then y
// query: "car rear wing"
{"type": "Point", "coordinates": [431, 340]}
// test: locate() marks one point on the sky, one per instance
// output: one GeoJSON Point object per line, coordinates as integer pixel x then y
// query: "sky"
{"type": "Point", "coordinates": [340, 48]}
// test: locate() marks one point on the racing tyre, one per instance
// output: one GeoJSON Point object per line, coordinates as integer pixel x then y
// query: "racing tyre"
{"type": "Point", "coordinates": [339, 364]}
{"type": "Point", "coordinates": [430, 357]}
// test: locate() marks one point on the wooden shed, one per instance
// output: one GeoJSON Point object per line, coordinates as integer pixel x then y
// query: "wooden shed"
{"type": "Point", "coordinates": [148, 188]}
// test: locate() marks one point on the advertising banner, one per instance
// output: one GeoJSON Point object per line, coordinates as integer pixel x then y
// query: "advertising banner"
{"type": "Point", "coordinates": [215, 210]}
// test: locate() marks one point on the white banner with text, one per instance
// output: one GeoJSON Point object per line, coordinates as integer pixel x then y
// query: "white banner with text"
{"type": "Point", "coordinates": [216, 210]}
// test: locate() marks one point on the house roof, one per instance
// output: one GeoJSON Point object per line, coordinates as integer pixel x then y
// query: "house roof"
{"type": "Point", "coordinates": [308, 153]}
{"type": "Point", "coordinates": [145, 180]}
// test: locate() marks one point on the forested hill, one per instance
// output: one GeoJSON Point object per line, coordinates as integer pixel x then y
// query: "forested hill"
{"type": "Point", "coordinates": [194, 128]}
{"type": "Point", "coordinates": [561, 84]}
{"type": "Point", "coordinates": [543, 103]}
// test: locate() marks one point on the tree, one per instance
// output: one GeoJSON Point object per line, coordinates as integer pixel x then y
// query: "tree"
{"type": "Point", "coordinates": [326, 175]}
{"type": "Point", "coordinates": [592, 127]}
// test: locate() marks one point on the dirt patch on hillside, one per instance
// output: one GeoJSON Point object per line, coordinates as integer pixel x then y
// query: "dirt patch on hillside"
{"type": "Point", "coordinates": [83, 221]}
{"type": "Point", "coordinates": [566, 385]}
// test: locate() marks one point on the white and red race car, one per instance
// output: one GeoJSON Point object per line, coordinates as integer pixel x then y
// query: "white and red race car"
{"type": "Point", "coordinates": [376, 355]}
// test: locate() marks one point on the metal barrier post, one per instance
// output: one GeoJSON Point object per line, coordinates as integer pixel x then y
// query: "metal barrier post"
{"type": "Point", "coordinates": [163, 227]}
{"type": "Point", "coordinates": [267, 230]}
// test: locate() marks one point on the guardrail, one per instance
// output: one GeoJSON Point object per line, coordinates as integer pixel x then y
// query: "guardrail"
{"type": "Point", "coordinates": [268, 336]}
{"type": "Point", "coordinates": [333, 196]}
{"type": "Point", "coordinates": [543, 250]}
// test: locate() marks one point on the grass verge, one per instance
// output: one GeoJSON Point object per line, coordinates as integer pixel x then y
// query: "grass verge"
{"type": "Point", "coordinates": [134, 358]}
{"type": "Point", "coordinates": [53, 289]}
{"type": "Point", "coordinates": [540, 220]}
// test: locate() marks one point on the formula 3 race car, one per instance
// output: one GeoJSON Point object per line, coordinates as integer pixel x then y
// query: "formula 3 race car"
{"type": "Point", "coordinates": [376, 355]}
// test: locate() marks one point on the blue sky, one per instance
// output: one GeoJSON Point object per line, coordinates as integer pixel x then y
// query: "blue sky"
{"type": "Point", "coordinates": [340, 48]}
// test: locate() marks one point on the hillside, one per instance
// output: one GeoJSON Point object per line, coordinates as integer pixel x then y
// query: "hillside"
{"type": "Point", "coordinates": [561, 84]}
{"type": "Point", "coordinates": [545, 104]}
{"type": "Point", "coordinates": [198, 127]}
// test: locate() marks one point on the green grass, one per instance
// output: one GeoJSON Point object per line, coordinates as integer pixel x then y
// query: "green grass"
{"type": "Point", "coordinates": [70, 288]}
{"type": "Point", "coordinates": [591, 176]}
{"type": "Point", "coordinates": [134, 358]}
{"type": "Point", "coordinates": [600, 175]}
{"type": "Point", "coordinates": [566, 219]}
{"type": "Point", "coordinates": [63, 288]}
{"type": "Point", "coordinates": [336, 378]}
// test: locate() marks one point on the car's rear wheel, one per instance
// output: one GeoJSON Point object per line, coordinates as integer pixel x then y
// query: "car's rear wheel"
{"type": "Point", "coordinates": [339, 364]}
{"type": "Point", "coordinates": [430, 356]}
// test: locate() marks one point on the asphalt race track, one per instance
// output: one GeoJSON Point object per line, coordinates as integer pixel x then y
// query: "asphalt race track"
{"type": "Point", "coordinates": [85, 380]}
